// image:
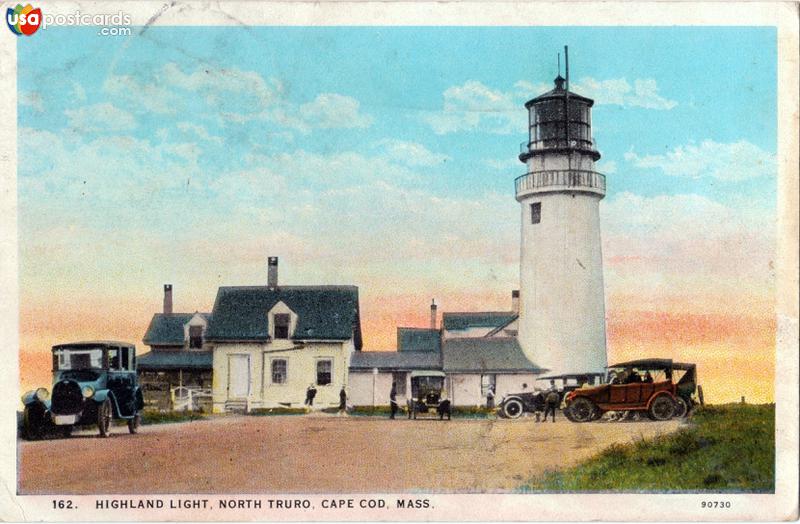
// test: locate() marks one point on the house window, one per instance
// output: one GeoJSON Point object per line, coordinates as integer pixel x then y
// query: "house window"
{"type": "Point", "coordinates": [281, 321]}
{"type": "Point", "coordinates": [536, 212]}
{"type": "Point", "coordinates": [278, 371]}
{"type": "Point", "coordinates": [399, 380]}
{"type": "Point", "coordinates": [195, 337]}
{"type": "Point", "coordinates": [324, 372]}
{"type": "Point", "coordinates": [488, 381]}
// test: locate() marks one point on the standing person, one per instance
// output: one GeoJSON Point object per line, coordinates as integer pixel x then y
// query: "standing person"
{"type": "Point", "coordinates": [307, 401]}
{"type": "Point", "coordinates": [490, 398]}
{"type": "Point", "coordinates": [342, 401]}
{"type": "Point", "coordinates": [393, 400]}
{"type": "Point", "coordinates": [313, 394]}
{"type": "Point", "coordinates": [551, 400]}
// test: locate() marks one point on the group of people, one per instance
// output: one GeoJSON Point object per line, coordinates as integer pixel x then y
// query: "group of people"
{"type": "Point", "coordinates": [631, 376]}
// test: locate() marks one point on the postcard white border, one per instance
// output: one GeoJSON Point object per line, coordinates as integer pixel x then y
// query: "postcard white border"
{"type": "Point", "coordinates": [548, 507]}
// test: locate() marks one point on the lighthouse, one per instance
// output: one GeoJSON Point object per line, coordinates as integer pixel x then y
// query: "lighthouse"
{"type": "Point", "coordinates": [562, 304]}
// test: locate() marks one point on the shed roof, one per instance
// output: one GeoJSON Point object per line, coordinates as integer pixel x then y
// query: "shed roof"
{"type": "Point", "coordinates": [477, 319]}
{"type": "Point", "coordinates": [323, 312]}
{"type": "Point", "coordinates": [418, 339]}
{"type": "Point", "coordinates": [168, 360]}
{"type": "Point", "coordinates": [166, 329]}
{"type": "Point", "coordinates": [395, 360]}
{"type": "Point", "coordinates": [486, 354]}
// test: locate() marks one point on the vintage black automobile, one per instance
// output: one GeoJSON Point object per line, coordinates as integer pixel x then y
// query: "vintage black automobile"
{"type": "Point", "coordinates": [93, 383]}
{"type": "Point", "coordinates": [515, 404]}
{"type": "Point", "coordinates": [426, 395]}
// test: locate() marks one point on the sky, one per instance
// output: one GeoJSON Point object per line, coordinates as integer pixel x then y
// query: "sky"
{"type": "Point", "coordinates": [385, 158]}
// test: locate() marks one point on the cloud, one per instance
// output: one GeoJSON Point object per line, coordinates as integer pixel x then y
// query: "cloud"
{"type": "Point", "coordinates": [152, 95]}
{"type": "Point", "coordinates": [608, 167]}
{"type": "Point", "coordinates": [617, 91]}
{"type": "Point", "coordinates": [331, 110]}
{"type": "Point", "coordinates": [199, 131]}
{"type": "Point", "coordinates": [474, 106]}
{"type": "Point", "coordinates": [505, 164]}
{"type": "Point", "coordinates": [100, 117]}
{"type": "Point", "coordinates": [235, 96]}
{"type": "Point", "coordinates": [733, 161]}
{"type": "Point", "coordinates": [411, 153]}
{"type": "Point", "coordinates": [31, 99]}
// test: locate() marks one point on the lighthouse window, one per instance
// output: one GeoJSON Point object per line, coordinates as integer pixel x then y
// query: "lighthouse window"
{"type": "Point", "coordinates": [536, 212]}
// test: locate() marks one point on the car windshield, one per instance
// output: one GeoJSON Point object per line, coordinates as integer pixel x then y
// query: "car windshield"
{"type": "Point", "coordinates": [77, 358]}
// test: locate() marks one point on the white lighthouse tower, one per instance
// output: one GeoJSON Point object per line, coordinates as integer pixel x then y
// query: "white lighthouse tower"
{"type": "Point", "coordinates": [562, 305]}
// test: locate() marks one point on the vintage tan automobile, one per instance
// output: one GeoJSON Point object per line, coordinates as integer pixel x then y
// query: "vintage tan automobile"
{"type": "Point", "coordinates": [660, 388]}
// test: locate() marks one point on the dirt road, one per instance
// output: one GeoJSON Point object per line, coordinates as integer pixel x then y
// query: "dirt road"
{"type": "Point", "coordinates": [315, 454]}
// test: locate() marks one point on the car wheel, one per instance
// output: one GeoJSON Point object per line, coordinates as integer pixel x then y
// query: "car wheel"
{"type": "Point", "coordinates": [582, 410]}
{"type": "Point", "coordinates": [661, 408]}
{"type": "Point", "coordinates": [512, 408]}
{"type": "Point", "coordinates": [134, 423]}
{"type": "Point", "coordinates": [32, 423]}
{"type": "Point", "coordinates": [104, 416]}
{"type": "Point", "coordinates": [681, 407]}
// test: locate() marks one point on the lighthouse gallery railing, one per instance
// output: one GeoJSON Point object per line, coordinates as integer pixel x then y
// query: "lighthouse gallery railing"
{"type": "Point", "coordinates": [562, 178]}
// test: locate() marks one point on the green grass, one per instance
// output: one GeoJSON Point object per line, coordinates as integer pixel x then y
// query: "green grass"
{"type": "Point", "coordinates": [165, 417]}
{"type": "Point", "coordinates": [727, 448]}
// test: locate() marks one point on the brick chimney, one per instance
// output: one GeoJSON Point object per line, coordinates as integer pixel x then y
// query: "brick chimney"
{"type": "Point", "coordinates": [433, 314]}
{"type": "Point", "coordinates": [272, 272]}
{"type": "Point", "coordinates": [515, 301]}
{"type": "Point", "coordinates": [167, 299]}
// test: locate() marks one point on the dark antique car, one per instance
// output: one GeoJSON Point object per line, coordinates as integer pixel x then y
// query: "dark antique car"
{"type": "Point", "coordinates": [515, 404]}
{"type": "Point", "coordinates": [93, 383]}
{"type": "Point", "coordinates": [427, 389]}
{"type": "Point", "coordinates": [660, 388]}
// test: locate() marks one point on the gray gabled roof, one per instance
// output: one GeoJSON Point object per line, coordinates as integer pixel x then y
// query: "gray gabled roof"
{"type": "Point", "coordinates": [172, 360]}
{"type": "Point", "coordinates": [418, 339]}
{"type": "Point", "coordinates": [323, 313]}
{"type": "Point", "coordinates": [167, 329]}
{"type": "Point", "coordinates": [486, 354]}
{"type": "Point", "coordinates": [477, 319]}
{"type": "Point", "coordinates": [395, 361]}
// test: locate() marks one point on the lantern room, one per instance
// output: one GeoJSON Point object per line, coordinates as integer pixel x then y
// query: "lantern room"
{"type": "Point", "coordinates": [559, 122]}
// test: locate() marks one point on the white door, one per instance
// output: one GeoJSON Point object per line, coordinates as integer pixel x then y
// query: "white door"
{"type": "Point", "coordinates": [238, 376]}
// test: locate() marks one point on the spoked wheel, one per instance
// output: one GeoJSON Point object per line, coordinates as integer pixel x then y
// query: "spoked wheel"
{"type": "Point", "coordinates": [681, 407]}
{"type": "Point", "coordinates": [104, 416]}
{"type": "Point", "coordinates": [582, 410]}
{"type": "Point", "coordinates": [662, 408]}
{"type": "Point", "coordinates": [32, 422]}
{"type": "Point", "coordinates": [512, 408]}
{"type": "Point", "coordinates": [134, 423]}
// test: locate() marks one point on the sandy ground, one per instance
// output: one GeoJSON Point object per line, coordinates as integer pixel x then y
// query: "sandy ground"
{"type": "Point", "coordinates": [314, 454]}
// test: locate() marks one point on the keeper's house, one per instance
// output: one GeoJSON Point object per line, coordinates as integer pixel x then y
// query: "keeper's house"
{"type": "Point", "coordinates": [473, 352]}
{"type": "Point", "coordinates": [269, 343]}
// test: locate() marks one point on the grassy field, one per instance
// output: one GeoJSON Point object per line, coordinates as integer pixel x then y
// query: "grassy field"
{"type": "Point", "coordinates": [727, 448]}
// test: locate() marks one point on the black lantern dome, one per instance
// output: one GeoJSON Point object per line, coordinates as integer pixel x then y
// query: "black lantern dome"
{"type": "Point", "coordinates": [559, 122]}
